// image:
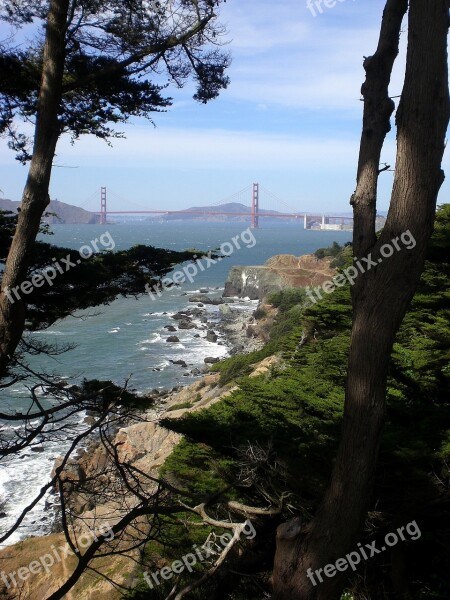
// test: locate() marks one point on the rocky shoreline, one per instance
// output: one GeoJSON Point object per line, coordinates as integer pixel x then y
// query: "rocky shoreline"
{"type": "Point", "coordinates": [235, 330]}
{"type": "Point", "coordinates": [228, 327]}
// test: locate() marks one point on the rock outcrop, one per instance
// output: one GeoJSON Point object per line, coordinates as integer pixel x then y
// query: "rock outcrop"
{"type": "Point", "coordinates": [279, 272]}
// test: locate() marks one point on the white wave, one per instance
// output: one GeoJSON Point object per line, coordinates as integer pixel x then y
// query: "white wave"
{"type": "Point", "coordinates": [20, 481]}
{"type": "Point", "coordinates": [156, 337]}
{"type": "Point", "coordinates": [21, 391]}
{"type": "Point", "coordinates": [165, 363]}
{"type": "Point", "coordinates": [47, 332]}
{"type": "Point", "coordinates": [4, 478]}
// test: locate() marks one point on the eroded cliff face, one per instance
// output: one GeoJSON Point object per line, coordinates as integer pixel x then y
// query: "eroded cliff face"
{"type": "Point", "coordinates": [279, 272]}
{"type": "Point", "coordinates": [252, 282]}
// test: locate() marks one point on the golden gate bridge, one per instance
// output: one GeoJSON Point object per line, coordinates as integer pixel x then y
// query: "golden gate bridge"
{"type": "Point", "coordinates": [254, 212]}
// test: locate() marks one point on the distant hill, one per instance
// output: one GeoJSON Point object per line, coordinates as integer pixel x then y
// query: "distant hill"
{"type": "Point", "coordinates": [63, 213]}
{"type": "Point", "coordinates": [232, 210]}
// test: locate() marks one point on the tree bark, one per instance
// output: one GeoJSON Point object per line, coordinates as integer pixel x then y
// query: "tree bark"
{"type": "Point", "coordinates": [382, 295]}
{"type": "Point", "coordinates": [35, 197]}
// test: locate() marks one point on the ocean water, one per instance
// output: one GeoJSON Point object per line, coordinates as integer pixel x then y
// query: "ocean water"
{"type": "Point", "coordinates": [127, 339]}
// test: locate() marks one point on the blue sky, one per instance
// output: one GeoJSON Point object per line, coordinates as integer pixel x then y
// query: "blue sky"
{"type": "Point", "coordinates": [290, 119]}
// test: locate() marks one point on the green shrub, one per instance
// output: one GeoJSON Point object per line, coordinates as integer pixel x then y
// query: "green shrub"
{"type": "Point", "coordinates": [179, 406]}
{"type": "Point", "coordinates": [107, 392]}
{"type": "Point", "coordinates": [237, 366]}
{"type": "Point", "coordinates": [286, 299]}
{"type": "Point", "coordinates": [332, 250]}
{"type": "Point", "coordinates": [259, 313]}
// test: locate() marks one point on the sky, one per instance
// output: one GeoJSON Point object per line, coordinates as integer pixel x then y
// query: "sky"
{"type": "Point", "coordinates": [289, 120]}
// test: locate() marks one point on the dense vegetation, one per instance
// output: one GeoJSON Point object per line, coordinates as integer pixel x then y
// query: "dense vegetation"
{"type": "Point", "coordinates": [340, 254]}
{"type": "Point", "coordinates": [278, 434]}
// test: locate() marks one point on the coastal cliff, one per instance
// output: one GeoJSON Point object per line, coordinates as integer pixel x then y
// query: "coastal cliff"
{"type": "Point", "coordinates": [279, 272]}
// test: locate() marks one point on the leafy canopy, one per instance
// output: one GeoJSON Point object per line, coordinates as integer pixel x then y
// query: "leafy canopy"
{"type": "Point", "coordinates": [120, 56]}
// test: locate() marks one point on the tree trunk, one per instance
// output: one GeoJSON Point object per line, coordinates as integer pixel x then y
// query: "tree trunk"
{"type": "Point", "coordinates": [382, 295]}
{"type": "Point", "coordinates": [35, 197]}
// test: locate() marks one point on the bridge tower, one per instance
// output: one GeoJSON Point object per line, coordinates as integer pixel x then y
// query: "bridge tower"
{"type": "Point", "coordinates": [103, 215]}
{"type": "Point", "coordinates": [255, 206]}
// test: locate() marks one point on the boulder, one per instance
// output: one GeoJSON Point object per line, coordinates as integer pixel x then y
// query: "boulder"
{"type": "Point", "coordinates": [173, 339]}
{"type": "Point", "coordinates": [250, 331]}
{"type": "Point", "coordinates": [182, 363]}
{"type": "Point", "coordinates": [211, 336]}
{"type": "Point", "coordinates": [186, 325]}
{"type": "Point", "coordinates": [170, 328]}
{"type": "Point", "coordinates": [225, 310]}
{"type": "Point", "coordinates": [211, 360]}
{"type": "Point", "coordinates": [181, 316]}
{"type": "Point", "coordinates": [200, 298]}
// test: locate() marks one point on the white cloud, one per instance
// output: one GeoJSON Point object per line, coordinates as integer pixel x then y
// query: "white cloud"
{"type": "Point", "coordinates": [210, 149]}
{"type": "Point", "coordinates": [284, 57]}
